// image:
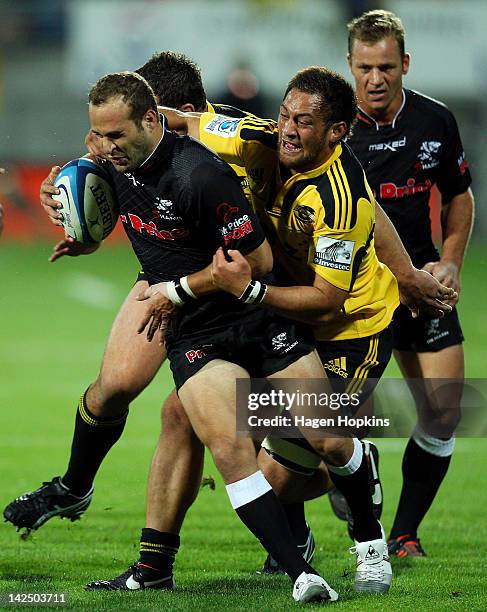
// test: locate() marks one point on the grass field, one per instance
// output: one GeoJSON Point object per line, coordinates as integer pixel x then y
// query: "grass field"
{"type": "Point", "coordinates": [54, 322]}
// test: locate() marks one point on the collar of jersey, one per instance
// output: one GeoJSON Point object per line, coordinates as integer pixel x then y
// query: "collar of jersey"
{"type": "Point", "coordinates": [320, 169]}
{"type": "Point", "coordinates": [394, 119]}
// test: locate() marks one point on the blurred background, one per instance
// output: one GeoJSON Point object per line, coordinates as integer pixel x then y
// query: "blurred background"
{"type": "Point", "coordinates": [51, 52]}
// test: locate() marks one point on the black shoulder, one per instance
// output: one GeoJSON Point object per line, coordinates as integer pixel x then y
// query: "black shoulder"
{"type": "Point", "coordinates": [192, 160]}
{"type": "Point", "coordinates": [427, 106]}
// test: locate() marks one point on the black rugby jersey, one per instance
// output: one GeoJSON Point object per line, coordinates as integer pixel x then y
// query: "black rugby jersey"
{"type": "Point", "coordinates": [403, 160]}
{"type": "Point", "coordinates": [177, 208]}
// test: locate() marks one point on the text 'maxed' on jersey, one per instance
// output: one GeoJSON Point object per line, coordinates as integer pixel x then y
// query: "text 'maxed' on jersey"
{"type": "Point", "coordinates": [403, 161]}
{"type": "Point", "coordinates": [178, 208]}
{"type": "Point", "coordinates": [321, 221]}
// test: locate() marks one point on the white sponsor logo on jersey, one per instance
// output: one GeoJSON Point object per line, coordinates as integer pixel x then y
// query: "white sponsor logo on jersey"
{"type": "Point", "coordinates": [223, 126]}
{"type": "Point", "coordinates": [332, 253]}
{"type": "Point", "coordinates": [392, 145]}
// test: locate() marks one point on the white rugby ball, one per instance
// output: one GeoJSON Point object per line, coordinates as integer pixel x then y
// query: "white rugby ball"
{"type": "Point", "coordinates": [90, 208]}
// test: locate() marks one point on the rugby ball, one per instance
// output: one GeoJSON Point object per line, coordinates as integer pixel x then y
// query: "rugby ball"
{"type": "Point", "coordinates": [89, 204]}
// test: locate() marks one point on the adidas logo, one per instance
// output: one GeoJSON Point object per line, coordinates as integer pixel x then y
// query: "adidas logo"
{"type": "Point", "coordinates": [338, 366]}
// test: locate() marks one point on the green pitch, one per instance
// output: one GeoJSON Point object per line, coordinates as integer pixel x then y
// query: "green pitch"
{"type": "Point", "coordinates": [54, 322]}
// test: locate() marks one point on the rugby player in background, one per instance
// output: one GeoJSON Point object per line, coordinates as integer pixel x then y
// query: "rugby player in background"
{"type": "Point", "coordinates": [407, 143]}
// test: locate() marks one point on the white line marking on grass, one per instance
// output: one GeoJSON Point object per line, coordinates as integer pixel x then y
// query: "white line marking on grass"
{"type": "Point", "coordinates": [92, 290]}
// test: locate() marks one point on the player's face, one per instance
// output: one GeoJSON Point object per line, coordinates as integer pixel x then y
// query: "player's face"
{"type": "Point", "coordinates": [123, 142]}
{"type": "Point", "coordinates": [378, 70]}
{"type": "Point", "coordinates": [303, 134]}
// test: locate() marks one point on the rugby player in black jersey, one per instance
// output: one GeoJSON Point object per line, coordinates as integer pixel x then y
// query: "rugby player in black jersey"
{"type": "Point", "coordinates": [129, 363]}
{"type": "Point", "coordinates": [407, 143]}
{"type": "Point", "coordinates": [215, 338]}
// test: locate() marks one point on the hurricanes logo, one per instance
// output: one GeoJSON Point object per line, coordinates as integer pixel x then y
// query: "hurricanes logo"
{"type": "Point", "coordinates": [337, 366]}
{"type": "Point", "coordinates": [305, 214]}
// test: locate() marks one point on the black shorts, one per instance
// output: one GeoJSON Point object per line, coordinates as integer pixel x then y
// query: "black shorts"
{"type": "Point", "coordinates": [353, 366]}
{"type": "Point", "coordinates": [262, 343]}
{"type": "Point", "coordinates": [423, 334]}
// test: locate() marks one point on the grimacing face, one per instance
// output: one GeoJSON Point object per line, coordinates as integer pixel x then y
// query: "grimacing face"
{"type": "Point", "coordinates": [124, 143]}
{"type": "Point", "coordinates": [378, 69]}
{"type": "Point", "coordinates": [303, 134]}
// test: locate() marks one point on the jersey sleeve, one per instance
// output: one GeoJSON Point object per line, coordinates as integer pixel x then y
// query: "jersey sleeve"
{"type": "Point", "coordinates": [342, 234]}
{"type": "Point", "coordinates": [454, 175]}
{"type": "Point", "coordinates": [219, 211]}
{"type": "Point", "coordinates": [238, 141]}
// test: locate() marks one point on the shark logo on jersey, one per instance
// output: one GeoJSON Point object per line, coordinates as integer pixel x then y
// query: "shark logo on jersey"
{"type": "Point", "coordinates": [332, 253]}
{"type": "Point", "coordinates": [164, 210]}
{"type": "Point", "coordinates": [428, 154]}
{"type": "Point", "coordinates": [280, 342]}
{"type": "Point", "coordinates": [223, 126]}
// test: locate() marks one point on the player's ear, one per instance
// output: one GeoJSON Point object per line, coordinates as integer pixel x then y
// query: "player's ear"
{"type": "Point", "coordinates": [406, 58]}
{"type": "Point", "coordinates": [337, 132]}
{"type": "Point", "coordinates": [151, 119]}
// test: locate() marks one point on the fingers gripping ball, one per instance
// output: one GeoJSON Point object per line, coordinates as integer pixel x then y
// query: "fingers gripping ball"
{"type": "Point", "coordinates": [89, 204]}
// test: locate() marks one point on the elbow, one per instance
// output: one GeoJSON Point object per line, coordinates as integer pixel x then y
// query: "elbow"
{"type": "Point", "coordinates": [263, 265]}
{"type": "Point", "coordinates": [263, 269]}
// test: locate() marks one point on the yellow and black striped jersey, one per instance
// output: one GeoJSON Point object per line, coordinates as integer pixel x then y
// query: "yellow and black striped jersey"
{"type": "Point", "coordinates": [318, 222]}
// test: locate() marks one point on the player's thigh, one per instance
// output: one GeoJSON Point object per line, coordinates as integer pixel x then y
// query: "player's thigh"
{"type": "Point", "coordinates": [130, 362]}
{"type": "Point", "coordinates": [305, 367]}
{"type": "Point", "coordinates": [209, 400]}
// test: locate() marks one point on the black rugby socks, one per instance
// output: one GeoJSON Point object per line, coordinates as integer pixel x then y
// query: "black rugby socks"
{"type": "Point", "coordinates": [92, 439]}
{"type": "Point", "coordinates": [423, 474]}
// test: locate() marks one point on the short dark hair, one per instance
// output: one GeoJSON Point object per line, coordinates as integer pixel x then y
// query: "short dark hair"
{"type": "Point", "coordinates": [176, 80]}
{"type": "Point", "coordinates": [374, 26]}
{"type": "Point", "coordinates": [338, 101]}
{"type": "Point", "coordinates": [133, 88]}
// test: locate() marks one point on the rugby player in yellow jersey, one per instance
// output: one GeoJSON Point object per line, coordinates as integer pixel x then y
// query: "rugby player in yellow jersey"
{"type": "Point", "coordinates": [318, 211]}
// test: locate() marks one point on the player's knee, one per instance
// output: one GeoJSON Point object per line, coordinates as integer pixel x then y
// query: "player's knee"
{"type": "Point", "coordinates": [332, 450]}
{"type": "Point", "coordinates": [230, 457]}
{"type": "Point", "coordinates": [110, 395]}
